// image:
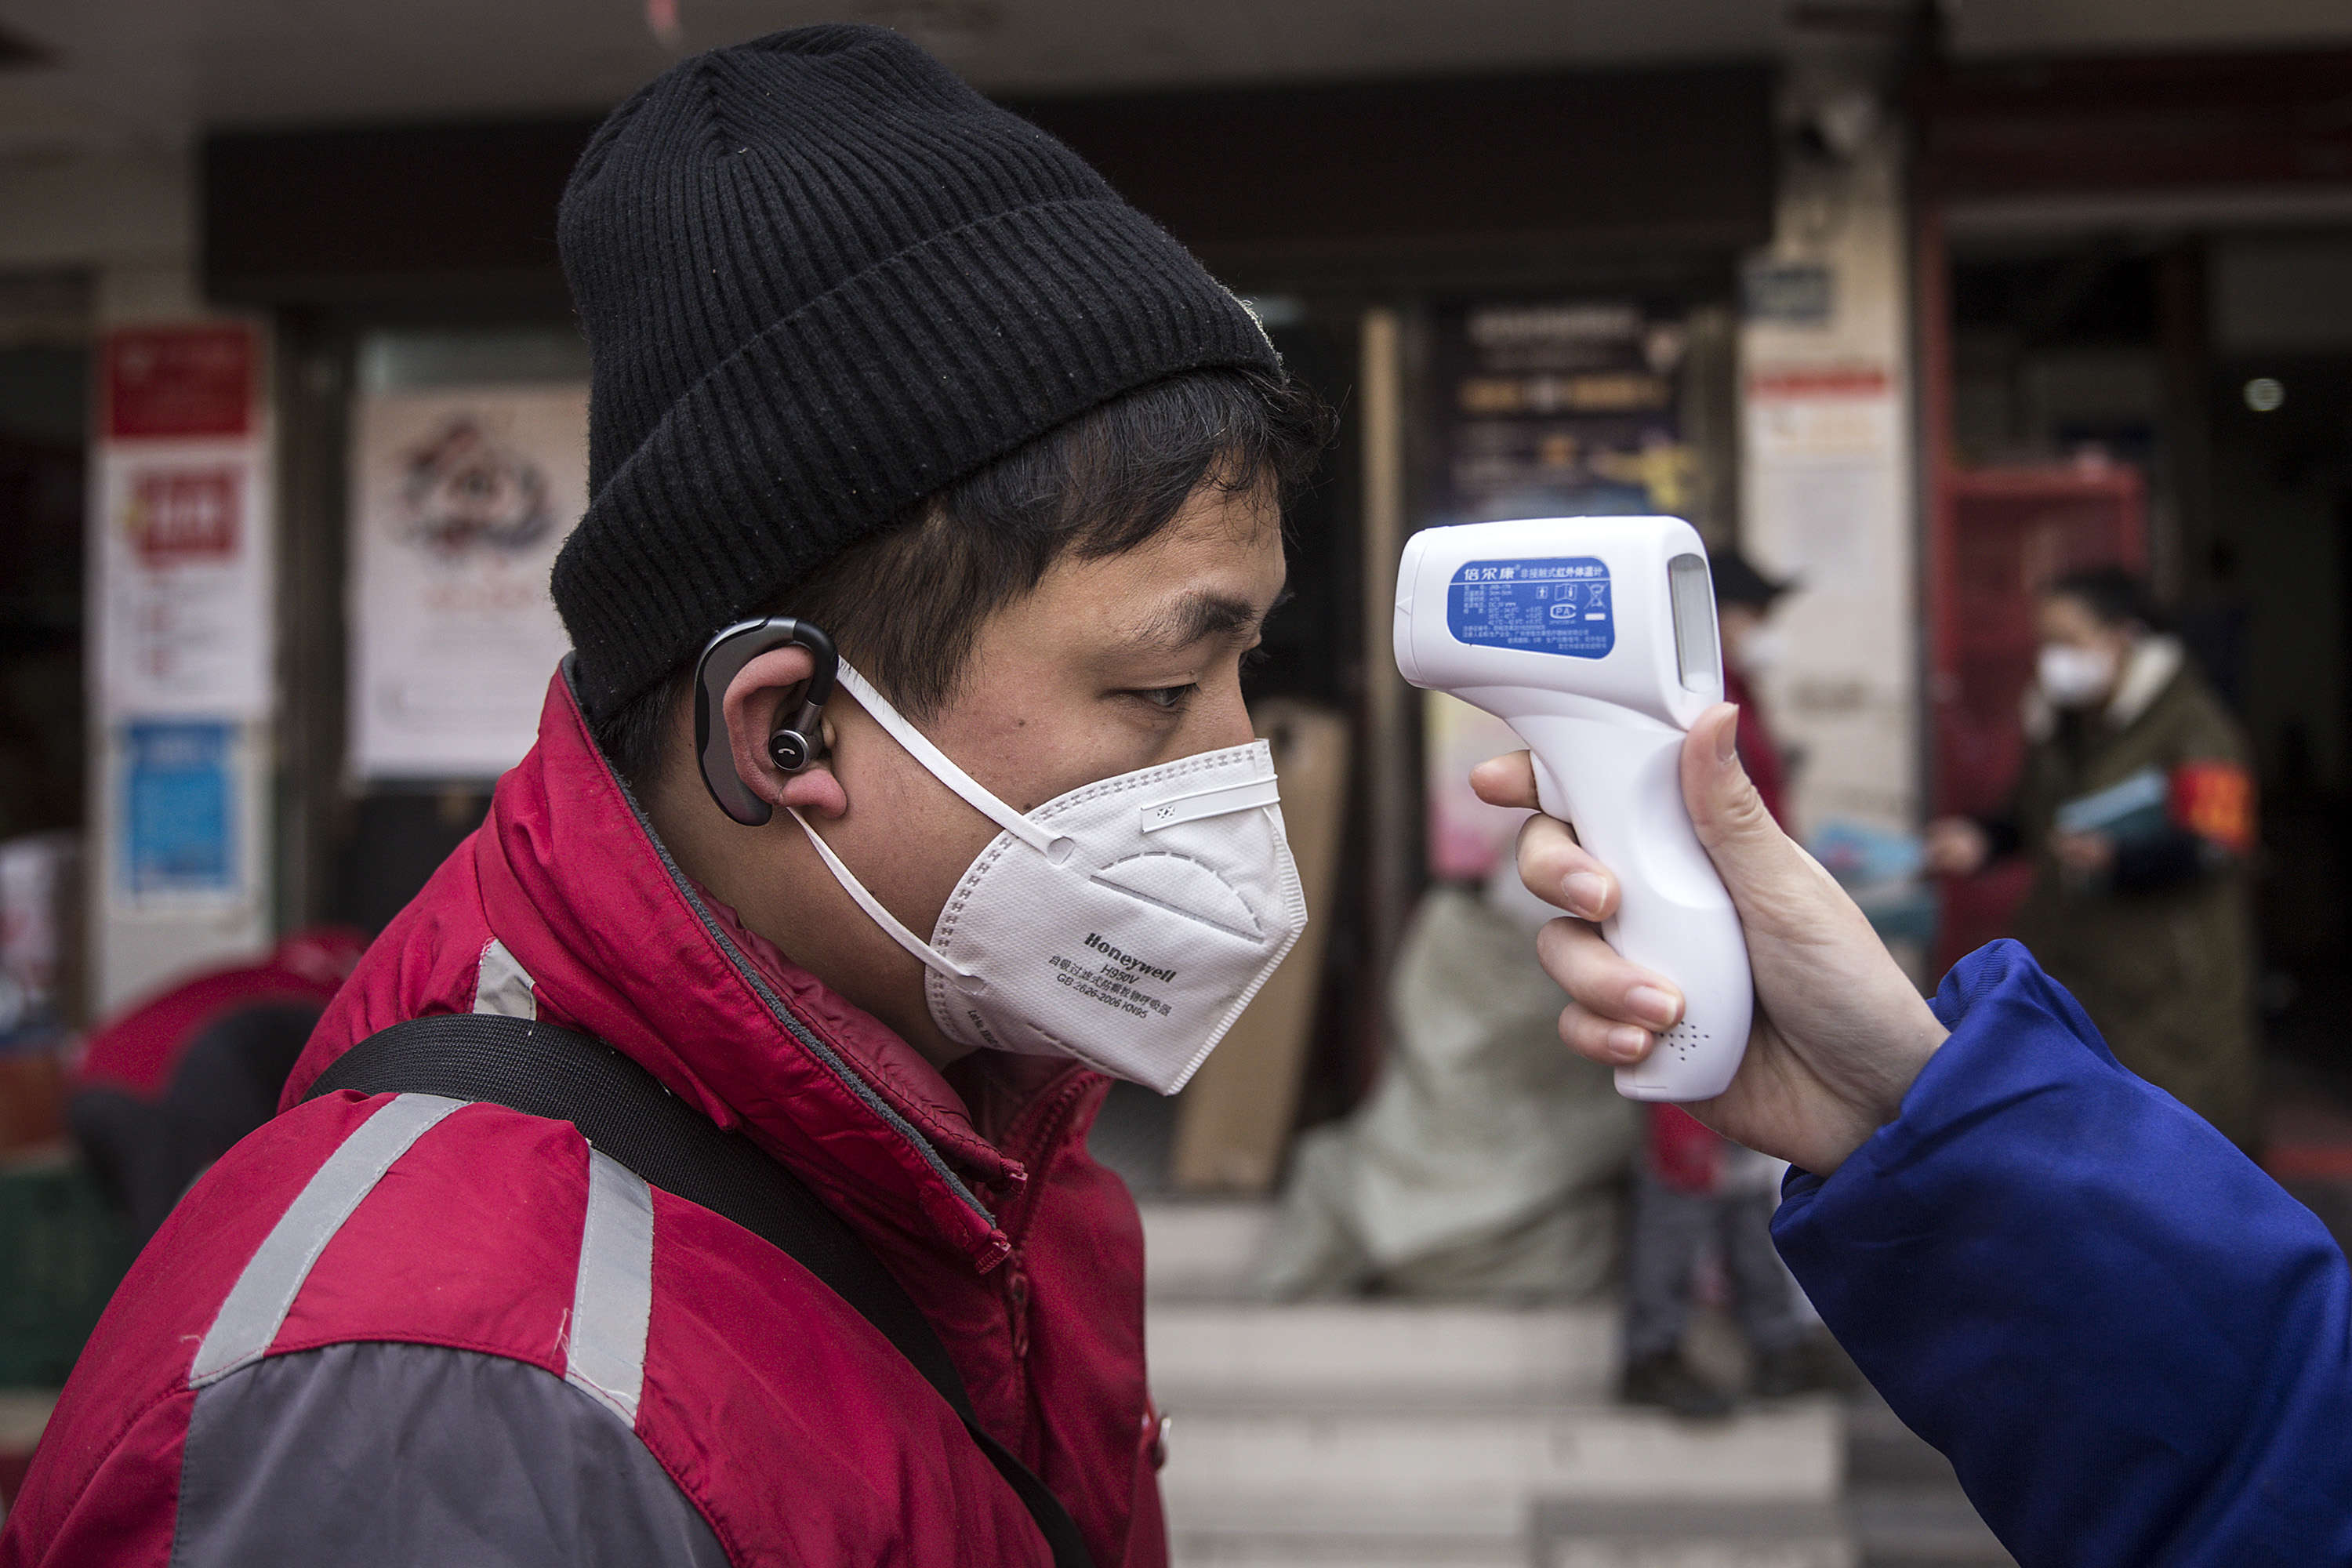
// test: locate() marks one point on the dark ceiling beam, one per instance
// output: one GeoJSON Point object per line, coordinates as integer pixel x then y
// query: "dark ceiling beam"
{"type": "Point", "coordinates": [2165, 122]}
{"type": "Point", "coordinates": [387, 215]}
{"type": "Point", "coordinates": [1400, 180]}
{"type": "Point", "coordinates": [1680, 157]}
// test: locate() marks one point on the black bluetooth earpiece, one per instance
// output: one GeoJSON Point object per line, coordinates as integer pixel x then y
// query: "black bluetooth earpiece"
{"type": "Point", "coordinates": [794, 745]}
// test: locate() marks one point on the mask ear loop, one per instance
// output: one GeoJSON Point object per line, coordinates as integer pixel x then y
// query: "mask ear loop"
{"type": "Point", "coordinates": [1055, 847]}
{"type": "Point", "coordinates": [917, 745]}
{"type": "Point", "coordinates": [923, 951]}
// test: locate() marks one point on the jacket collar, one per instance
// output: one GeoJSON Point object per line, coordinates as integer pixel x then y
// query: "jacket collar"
{"type": "Point", "coordinates": [618, 940]}
{"type": "Point", "coordinates": [2153, 662]}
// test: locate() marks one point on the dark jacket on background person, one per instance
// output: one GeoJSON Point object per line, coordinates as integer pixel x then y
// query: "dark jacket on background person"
{"type": "Point", "coordinates": [383, 1331]}
{"type": "Point", "coordinates": [2160, 952]}
{"type": "Point", "coordinates": [2135, 1348]}
{"type": "Point", "coordinates": [167, 1087]}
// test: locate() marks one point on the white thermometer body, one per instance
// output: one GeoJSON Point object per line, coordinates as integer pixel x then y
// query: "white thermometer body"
{"type": "Point", "coordinates": [1594, 638]}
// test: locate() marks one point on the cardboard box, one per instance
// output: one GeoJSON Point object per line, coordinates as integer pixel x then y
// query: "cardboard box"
{"type": "Point", "coordinates": [1233, 1118]}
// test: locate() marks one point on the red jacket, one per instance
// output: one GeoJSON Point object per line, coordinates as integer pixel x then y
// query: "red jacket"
{"type": "Point", "coordinates": [509, 1351]}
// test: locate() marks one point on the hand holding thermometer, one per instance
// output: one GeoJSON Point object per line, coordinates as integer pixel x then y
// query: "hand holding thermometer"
{"type": "Point", "coordinates": [1594, 638]}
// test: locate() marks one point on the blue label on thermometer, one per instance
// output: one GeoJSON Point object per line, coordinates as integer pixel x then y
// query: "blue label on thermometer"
{"type": "Point", "coordinates": [1563, 605]}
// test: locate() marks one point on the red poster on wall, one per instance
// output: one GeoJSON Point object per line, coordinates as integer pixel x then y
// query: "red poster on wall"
{"type": "Point", "coordinates": [185, 515]}
{"type": "Point", "coordinates": [179, 383]}
{"type": "Point", "coordinates": [181, 508]}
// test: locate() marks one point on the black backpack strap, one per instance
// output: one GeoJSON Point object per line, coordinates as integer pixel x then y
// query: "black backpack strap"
{"type": "Point", "coordinates": [626, 1114]}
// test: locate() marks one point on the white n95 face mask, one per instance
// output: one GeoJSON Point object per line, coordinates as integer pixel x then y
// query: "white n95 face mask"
{"type": "Point", "coordinates": [1126, 923]}
{"type": "Point", "coordinates": [1762, 650]}
{"type": "Point", "coordinates": [2072, 677]}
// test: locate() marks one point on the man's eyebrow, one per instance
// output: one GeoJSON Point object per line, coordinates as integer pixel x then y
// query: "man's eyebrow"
{"type": "Point", "coordinates": [1200, 617]}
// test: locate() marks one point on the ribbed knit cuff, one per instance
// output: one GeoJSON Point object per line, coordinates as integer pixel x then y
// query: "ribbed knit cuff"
{"type": "Point", "coordinates": [900, 381]}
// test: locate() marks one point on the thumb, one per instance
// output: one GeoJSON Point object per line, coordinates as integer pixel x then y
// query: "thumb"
{"type": "Point", "coordinates": [1739, 834]}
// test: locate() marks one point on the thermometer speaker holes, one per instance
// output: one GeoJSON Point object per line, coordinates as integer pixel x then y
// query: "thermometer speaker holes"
{"type": "Point", "coordinates": [1682, 1039]}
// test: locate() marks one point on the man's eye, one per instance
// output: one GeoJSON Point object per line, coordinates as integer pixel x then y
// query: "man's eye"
{"type": "Point", "coordinates": [1168, 699]}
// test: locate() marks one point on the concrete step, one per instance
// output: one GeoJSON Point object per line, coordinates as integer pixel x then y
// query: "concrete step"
{"type": "Point", "coordinates": [1203, 1249]}
{"type": "Point", "coordinates": [1699, 1535]}
{"type": "Point", "coordinates": [1902, 1501]}
{"type": "Point", "coordinates": [1881, 1450]}
{"type": "Point", "coordinates": [1244, 1352]}
{"type": "Point", "coordinates": [1243, 1549]}
{"type": "Point", "coordinates": [1394, 1434]}
{"type": "Point", "coordinates": [1921, 1527]}
{"type": "Point", "coordinates": [1572, 1536]}
{"type": "Point", "coordinates": [23, 1413]}
{"type": "Point", "coordinates": [1455, 1471]}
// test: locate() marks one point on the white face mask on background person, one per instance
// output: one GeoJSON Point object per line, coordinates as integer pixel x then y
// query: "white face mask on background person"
{"type": "Point", "coordinates": [2072, 677]}
{"type": "Point", "coordinates": [1761, 650]}
{"type": "Point", "coordinates": [1126, 923]}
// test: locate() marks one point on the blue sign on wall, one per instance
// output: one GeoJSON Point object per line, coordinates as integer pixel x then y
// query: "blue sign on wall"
{"type": "Point", "coordinates": [1793, 293]}
{"type": "Point", "coordinates": [178, 808]}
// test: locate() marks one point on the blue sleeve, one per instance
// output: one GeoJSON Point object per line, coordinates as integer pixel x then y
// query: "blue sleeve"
{"type": "Point", "coordinates": [2130, 1341]}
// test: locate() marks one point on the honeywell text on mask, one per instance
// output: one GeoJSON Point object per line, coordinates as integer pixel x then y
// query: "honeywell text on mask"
{"type": "Point", "coordinates": [1112, 983]}
{"type": "Point", "coordinates": [1127, 961]}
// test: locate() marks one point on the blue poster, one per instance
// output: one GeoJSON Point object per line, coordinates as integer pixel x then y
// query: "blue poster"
{"type": "Point", "coordinates": [178, 808]}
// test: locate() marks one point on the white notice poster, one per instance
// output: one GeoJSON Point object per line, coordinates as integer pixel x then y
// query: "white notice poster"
{"type": "Point", "coordinates": [187, 579]}
{"type": "Point", "coordinates": [1822, 444]}
{"type": "Point", "coordinates": [460, 499]}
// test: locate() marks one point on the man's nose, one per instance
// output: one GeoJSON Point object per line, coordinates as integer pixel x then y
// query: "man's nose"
{"type": "Point", "coordinates": [1223, 723]}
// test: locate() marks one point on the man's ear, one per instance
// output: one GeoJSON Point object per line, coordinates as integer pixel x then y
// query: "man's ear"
{"type": "Point", "coordinates": [765, 695]}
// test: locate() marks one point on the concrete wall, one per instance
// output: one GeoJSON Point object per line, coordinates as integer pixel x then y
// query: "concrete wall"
{"type": "Point", "coordinates": [1828, 492]}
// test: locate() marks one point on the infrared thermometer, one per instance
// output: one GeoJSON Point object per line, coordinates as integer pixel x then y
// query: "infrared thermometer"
{"type": "Point", "coordinates": [1594, 638]}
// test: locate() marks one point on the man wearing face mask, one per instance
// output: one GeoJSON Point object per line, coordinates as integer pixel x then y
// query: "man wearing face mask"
{"type": "Point", "coordinates": [2138, 811]}
{"type": "Point", "coordinates": [898, 788]}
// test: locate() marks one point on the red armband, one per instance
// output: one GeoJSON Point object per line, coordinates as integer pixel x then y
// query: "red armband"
{"type": "Point", "coordinates": [2215, 801]}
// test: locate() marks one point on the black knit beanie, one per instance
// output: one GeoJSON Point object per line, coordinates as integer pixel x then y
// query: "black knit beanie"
{"type": "Point", "coordinates": [821, 278]}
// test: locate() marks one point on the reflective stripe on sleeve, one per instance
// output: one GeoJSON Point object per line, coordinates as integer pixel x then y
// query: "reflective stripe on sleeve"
{"type": "Point", "coordinates": [502, 985]}
{"type": "Point", "coordinates": [612, 1302]}
{"type": "Point", "coordinates": [258, 1303]}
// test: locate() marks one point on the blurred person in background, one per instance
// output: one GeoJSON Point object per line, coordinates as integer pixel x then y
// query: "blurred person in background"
{"type": "Point", "coordinates": [1486, 1163]}
{"type": "Point", "coordinates": [167, 1087]}
{"type": "Point", "coordinates": [2137, 808]}
{"type": "Point", "coordinates": [1744, 598]}
{"type": "Point", "coordinates": [1693, 1186]}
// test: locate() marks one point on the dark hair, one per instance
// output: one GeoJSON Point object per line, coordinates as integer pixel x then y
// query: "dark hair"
{"type": "Point", "coordinates": [905, 603]}
{"type": "Point", "coordinates": [2116, 597]}
{"type": "Point", "coordinates": [1738, 582]}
